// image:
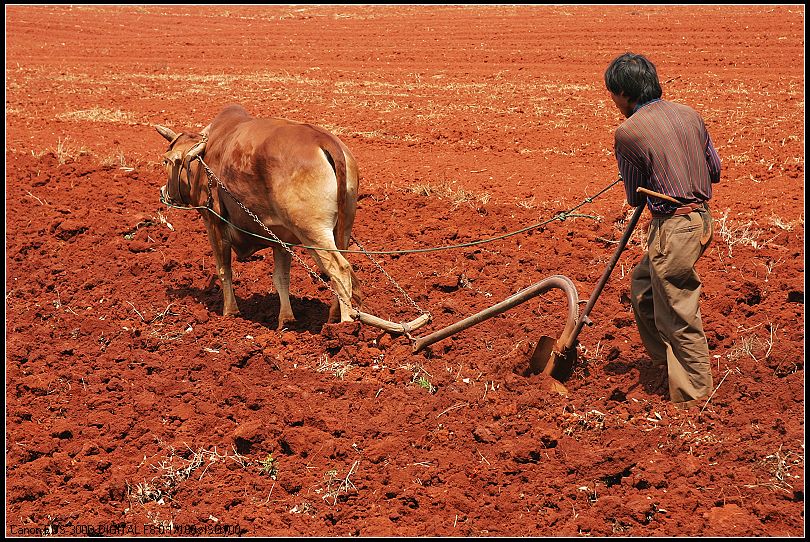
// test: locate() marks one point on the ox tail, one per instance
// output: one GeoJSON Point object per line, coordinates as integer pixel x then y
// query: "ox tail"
{"type": "Point", "coordinates": [337, 160]}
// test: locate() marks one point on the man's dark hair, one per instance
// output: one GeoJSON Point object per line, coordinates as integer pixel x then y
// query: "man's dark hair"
{"type": "Point", "coordinates": [633, 76]}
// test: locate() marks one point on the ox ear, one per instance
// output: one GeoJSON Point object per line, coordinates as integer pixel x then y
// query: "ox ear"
{"type": "Point", "coordinates": [165, 132]}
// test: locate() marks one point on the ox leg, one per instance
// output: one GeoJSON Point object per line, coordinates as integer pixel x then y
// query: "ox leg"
{"type": "Point", "coordinates": [342, 283]}
{"type": "Point", "coordinates": [222, 255]}
{"type": "Point", "coordinates": [334, 310]}
{"type": "Point", "coordinates": [281, 279]}
{"type": "Point", "coordinates": [356, 291]}
{"type": "Point", "coordinates": [340, 273]}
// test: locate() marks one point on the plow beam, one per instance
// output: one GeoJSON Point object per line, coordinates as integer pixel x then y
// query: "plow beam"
{"type": "Point", "coordinates": [555, 281]}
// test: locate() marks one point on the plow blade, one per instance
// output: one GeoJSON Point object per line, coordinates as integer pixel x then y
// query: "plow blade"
{"type": "Point", "coordinates": [550, 358]}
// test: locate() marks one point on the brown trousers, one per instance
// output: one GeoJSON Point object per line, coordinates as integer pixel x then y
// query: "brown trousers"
{"type": "Point", "coordinates": [665, 292]}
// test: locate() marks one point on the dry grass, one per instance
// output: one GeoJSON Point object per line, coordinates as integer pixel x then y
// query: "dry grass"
{"type": "Point", "coordinates": [753, 346]}
{"type": "Point", "coordinates": [507, 95]}
{"type": "Point", "coordinates": [337, 368]}
{"type": "Point", "coordinates": [779, 465]}
{"type": "Point", "coordinates": [505, 103]}
{"type": "Point", "coordinates": [734, 233]}
{"type": "Point", "coordinates": [586, 358]}
{"type": "Point", "coordinates": [171, 473]}
{"type": "Point", "coordinates": [780, 223]}
{"type": "Point", "coordinates": [592, 420]}
{"type": "Point", "coordinates": [337, 486]}
{"type": "Point", "coordinates": [527, 203]}
{"type": "Point", "coordinates": [98, 114]}
{"type": "Point", "coordinates": [115, 159]}
{"type": "Point", "coordinates": [446, 191]}
{"type": "Point", "coordinates": [639, 235]}
{"type": "Point", "coordinates": [64, 151]}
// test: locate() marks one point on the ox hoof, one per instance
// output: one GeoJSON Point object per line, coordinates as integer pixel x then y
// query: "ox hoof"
{"type": "Point", "coordinates": [231, 314]}
{"type": "Point", "coordinates": [286, 324]}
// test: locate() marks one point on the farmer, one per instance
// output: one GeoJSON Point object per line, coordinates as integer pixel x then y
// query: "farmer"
{"type": "Point", "coordinates": [664, 147]}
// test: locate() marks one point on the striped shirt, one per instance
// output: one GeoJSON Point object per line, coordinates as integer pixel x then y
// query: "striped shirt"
{"type": "Point", "coordinates": [665, 147]}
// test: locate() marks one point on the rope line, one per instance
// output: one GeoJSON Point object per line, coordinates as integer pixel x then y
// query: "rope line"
{"type": "Point", "coordinates": [561, 216]}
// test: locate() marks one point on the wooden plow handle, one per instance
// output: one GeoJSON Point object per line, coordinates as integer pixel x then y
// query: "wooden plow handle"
{"type": "Point", "coordinates": [393, 327]}
{"type": "Point", "coordinates": [658, 195]}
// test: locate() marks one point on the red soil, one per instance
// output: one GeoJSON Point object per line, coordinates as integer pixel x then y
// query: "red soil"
{"type": "Point", "coordinates": [468, 123]}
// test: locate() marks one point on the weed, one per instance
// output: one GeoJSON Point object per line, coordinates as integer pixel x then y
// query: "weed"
{"type": "Point", "coordinates": [335, 487]}
{"type": "Point", "coordinates": [423, 382]}
{"type": "Point", "coordinates": [268, 466]}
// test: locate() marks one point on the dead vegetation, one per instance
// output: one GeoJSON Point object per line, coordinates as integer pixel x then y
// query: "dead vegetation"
{"type": "Point", "coordinates": [149, 496]}
{"type": "Point", "coordinates": [450, 191]}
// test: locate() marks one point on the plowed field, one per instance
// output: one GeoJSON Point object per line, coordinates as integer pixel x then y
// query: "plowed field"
{"type": "Point", "coordinates": [134, 407]}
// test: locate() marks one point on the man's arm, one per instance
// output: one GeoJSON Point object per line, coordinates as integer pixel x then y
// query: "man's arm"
{"type": "Point", "coordinates": [633, 178]}
{"type": "Point", "coordinates": [712, 160]}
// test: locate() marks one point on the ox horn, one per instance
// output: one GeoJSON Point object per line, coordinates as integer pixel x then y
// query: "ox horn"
{"type": "Point", "coordinates": [196, 150]}
{"type": "Point", "coordinates": [165, 132]}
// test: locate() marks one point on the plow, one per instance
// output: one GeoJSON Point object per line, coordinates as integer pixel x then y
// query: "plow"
{"type": "Point", "coordinates": [555, 357]}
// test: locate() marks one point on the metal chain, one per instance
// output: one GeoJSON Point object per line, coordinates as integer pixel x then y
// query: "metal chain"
{"type": "Point", "coordinates": [212, 175]}
{"type": "Point", "coordinates": [403, 292]}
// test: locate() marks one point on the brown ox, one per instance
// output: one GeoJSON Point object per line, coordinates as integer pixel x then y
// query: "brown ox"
{"type": "Point", "coordinates": [298, 179]}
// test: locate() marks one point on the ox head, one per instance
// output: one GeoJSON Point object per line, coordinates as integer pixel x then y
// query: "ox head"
{"type": "Point", "coordinates": [183, 149]}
